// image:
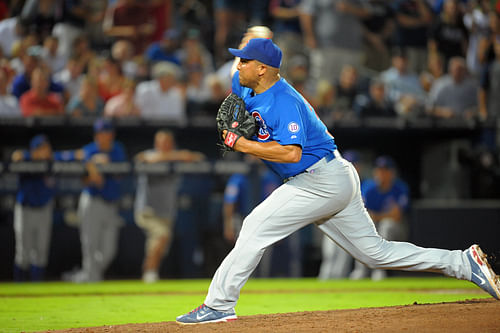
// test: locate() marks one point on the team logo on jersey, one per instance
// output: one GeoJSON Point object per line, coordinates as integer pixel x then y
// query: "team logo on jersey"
{"type": "Point", "coordinates": [293, 127]}
{"type": "Point", "coordinates": [234, 124]}
{"type": "Point", "coordinates": [263, 133]}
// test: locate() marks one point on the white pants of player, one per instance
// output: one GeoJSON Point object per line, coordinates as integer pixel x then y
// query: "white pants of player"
{"type": "Point", "coordinates": [99, 232]}
{"type": "Point", "coordinates": [328, 195]}
{"type": "Point", "coordinates": [33, 229]}
{"type": "Point", "coordinates": [387, 229]}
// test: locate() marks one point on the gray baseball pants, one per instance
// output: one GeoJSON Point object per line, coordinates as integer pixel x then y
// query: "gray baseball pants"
{"type": "Point", "coordinates": [33, 229]}
{"type": "Point", "coordinates": [328, 194]}
{"type": "Point", "coordinates": [99, 231]}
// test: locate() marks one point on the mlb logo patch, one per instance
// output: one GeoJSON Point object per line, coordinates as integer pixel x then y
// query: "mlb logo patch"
{"type": "Point", "coordinates": [293, 127]}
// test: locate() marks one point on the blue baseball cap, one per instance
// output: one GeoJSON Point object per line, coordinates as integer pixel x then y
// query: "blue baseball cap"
{"type": "Point", "coordinates": [103, 125]}
{"type": "Point", "coordinates": [38, 140]}
{"type": "Point", "coordinates": [261, 49]}
{"type": "Point", "coordinates": [385, 161]}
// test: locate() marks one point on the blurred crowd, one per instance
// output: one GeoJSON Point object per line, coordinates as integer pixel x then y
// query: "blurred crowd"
{"type": "Point", "coordinates": [168, 60]}
{"type": "Point", "coordinates": [165, 59]}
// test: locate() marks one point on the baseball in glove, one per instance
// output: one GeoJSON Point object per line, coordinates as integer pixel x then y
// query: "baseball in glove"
{"type": "Point", "coordinates": [234, 118]}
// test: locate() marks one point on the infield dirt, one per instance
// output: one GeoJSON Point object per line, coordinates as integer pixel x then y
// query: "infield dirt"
{"type": "Point", "coordinates": [468, 316]}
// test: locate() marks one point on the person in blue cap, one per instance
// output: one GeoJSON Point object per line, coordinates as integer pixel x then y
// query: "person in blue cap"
{"type": "Point", "coordinates": [33, 213]}
{"type": "Point", "coordinates": [98, 204]}
{"type": "Point", "coordinates": [320, 187]}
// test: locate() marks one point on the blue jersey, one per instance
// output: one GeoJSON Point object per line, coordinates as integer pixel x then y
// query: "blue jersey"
{"type": "Point", "coordinates": [238, 192]}
{"type": "Point", "coordinates": [379, 202]}
{"type": "Point", "coordinates": [110, 190]}
{"type": "Point", "coordinates": [284, 116]}
{"type": "Point", "coordinates": [34, 190]}
{"type": "Point", "coordinates": [21, 84]}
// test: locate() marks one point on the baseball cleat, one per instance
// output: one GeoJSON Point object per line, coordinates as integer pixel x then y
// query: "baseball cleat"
{"type": "Point", "coordinates": [203, 315]}
{"type": "Point", "coordinates": [482, 273]}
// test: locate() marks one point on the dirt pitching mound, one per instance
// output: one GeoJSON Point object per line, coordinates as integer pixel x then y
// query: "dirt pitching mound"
{"type": "Point", "coordinates": [467, 316]}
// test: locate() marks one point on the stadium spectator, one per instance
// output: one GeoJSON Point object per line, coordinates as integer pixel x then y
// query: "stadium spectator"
{"type": "Point", "coordinates": [376, 103]}
{"type": "Point", "coordinates": [379, 28]}
{"type": "Point", "coordinates": [98, 205]}
{"type": "Point", "coordinates": [435, 66]}
{"type": "Point", "coordinates": [432, 77]}
{"type": "Point", "coordinates": [22, 82]}
{"type": "Point", "coordinates": [167, 49]}
{"type": "Point", "coordinates": [489, 98]}
{"type": "Point", "coordinates": [41, 16]}
{"type": "Point", "coordinates": [386, 198]}
{"type": "Point", "coordinates": [324, 102]}
{"type": "Point", "coordinates": [11, 31]}
{"type": "Point", "coordinates": [82, 51]}
{"type": "Point", "coordinates": [347, 88]}
{"type": "Point", "coordinates": [123, 51]}
{"type": "Point", "coordinates": [130, 20]}
{"type": "Point", "coordinates": [33, 213]}
{"type": "Point", "coordinates": [19, 51]}
{"type": "Point", "coordinates": [162, 11]}
{"type": "Point", "coordinates": [94, 27]}
{"type": "Point", "coordinates": [476, 22]}
{"type": "Point", "coordinates": [285, 16]}
{"type": "Point", "coordinates": [485, 50]}
{"type": "Point", "coordinates": [413, 19]}
{"type": "Point", "coordinates": [110, 79]}
{"type": "Point", "coordinates": [75, 14]}
{"type": "Point", "coordinates": [229, 16]}
{"type": "Point", "coordinates": [194, 53]}
{"type": "Point", "coordinates": [71, 76]}
{"type": "Point", "coordinates": [297, 73]}
{"type": "Point", "coordinates": [448, 35]}
{"type": "Point", "coordinates": [217, 90]}
{"type": "Point", "coordinates": [9, 106]}
{"type": "Point", "coordinates": [457, 96]}
{"type": "Point", "coordinates": [87, 102]}
{"type": "Point", "coordinates": [402, 86]}
{"type": "Point", "coordinates": [50, 55]}
{"type": "Point", "coordinates": [123, 104]}
{"type": "Point", "coordinates": [332, 30]}
{"type": "Point", "coordinates": [197, 90]}
{"type": "Point", "coordinates": [161, 98]}
{"type": "Point", "coordinates": [155, 207]}
{"type": "Point", "coordinates": [38, 101]}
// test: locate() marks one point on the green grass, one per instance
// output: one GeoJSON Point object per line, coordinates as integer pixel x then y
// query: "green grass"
{"type": "Point", "coordinates": [57, 305]}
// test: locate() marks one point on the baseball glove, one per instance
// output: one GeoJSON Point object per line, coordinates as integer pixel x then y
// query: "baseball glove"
{"type": "Point", "coordinates": [234, 118]}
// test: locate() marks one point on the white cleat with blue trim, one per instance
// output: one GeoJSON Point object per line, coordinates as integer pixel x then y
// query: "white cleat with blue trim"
{"type": "Point", "coordinates": [203, 315]}
{"type": "Point", "coordinates": [482, 273]}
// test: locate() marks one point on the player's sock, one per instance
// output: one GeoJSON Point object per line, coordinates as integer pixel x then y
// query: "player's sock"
{"type": "Point", "coordinates": [37, 273]}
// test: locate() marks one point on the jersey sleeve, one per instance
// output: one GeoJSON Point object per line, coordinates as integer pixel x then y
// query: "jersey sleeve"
{"type": "Point", "coordinates": [289, 127]}
{"type": "Point", "coordinates": [403, 198]}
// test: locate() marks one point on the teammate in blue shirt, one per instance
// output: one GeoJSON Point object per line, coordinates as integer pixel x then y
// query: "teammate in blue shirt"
{"type": "Point", "coordinates": [98, 204]}
{"type": "Point", "coordinates": [319, 187]}
{"type": "Point", "coordinates": [33, 213]}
